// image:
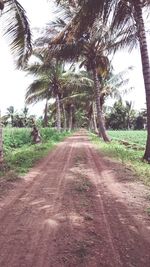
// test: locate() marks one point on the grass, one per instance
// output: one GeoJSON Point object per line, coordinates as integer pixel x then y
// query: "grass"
{"type": "Point", "coordinates": [126, 156]}
{"type": "Point", "coordinates": [134, 137]}
{"type": "Point", "coordinates": [20, 154]}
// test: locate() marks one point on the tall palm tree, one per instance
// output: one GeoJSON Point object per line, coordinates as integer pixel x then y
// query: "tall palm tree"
{"type": "Point", "coordinates": [131, 13]}
{"type": "Point", "coordinates": [47, 84]}
{"type": "Point", "coordinates": [44, 87]}
{"type": "Point", "coordinates": [52, 82]}
{"type": "Point", "coordinates": [92, 51]}
{"type": "Point", "coordinates": [112, 86]}
{"type": "Point", "coordinates": [95, 58]}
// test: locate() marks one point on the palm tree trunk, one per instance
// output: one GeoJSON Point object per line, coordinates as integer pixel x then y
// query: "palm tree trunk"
{"type": "Point", "coordinates": [94, 118]}
{"type": "Point", "coordinates": [64, 115]}
{"type": "Point", "coordinates": [45, 114]}
{"type": "Point", "coordinates": [58, 114]}
{"type": "Point", "coordinates": [101, 126]}
{"type": "Point", "coordinates": [145, 66]}
{"type": "Point", "coordinates": [1, 142]}
{"type": "Point", "coordinates": [1, 5]}
{"type": "Point", "coordinates": [70, 118]}
{"type": "Point", "coordinates": [91, 125]}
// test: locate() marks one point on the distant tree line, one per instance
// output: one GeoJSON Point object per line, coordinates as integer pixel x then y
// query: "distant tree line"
{"type": "Point", "coordinates": [21, 119]}
{"type": "Point", "coordinates": [123, 116]}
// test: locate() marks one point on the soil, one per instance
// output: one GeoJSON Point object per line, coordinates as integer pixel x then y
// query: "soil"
{"type": "Point", "coordinates": [75, 208]}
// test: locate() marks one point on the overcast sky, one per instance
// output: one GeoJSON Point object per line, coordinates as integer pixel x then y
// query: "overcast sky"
{"type": "Point", "coordinates": [14, 83]}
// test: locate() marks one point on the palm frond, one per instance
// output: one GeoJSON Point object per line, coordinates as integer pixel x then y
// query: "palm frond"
{"type": "Point", "coordinates": [33, 69]}
{"type": "Point", "coordinates": [122, 14]}
{"type": "Point", "coordinates": [121, 39]}
{"type": "Point", "coordinates": [83, 20]}
{"type": "Point", "coordinates": [73, 97]}
{"type": "Point", "coordinates": [17, 30]}
{"type": "Point", "coordinates": [38, 85]}
{"type": "Point", "coordinates": [35, 98]}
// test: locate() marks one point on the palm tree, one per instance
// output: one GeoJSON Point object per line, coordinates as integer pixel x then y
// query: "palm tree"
{"type": "Point", "coordinates": [112, 86]}
{"type": "Point", "coordinates": [52, 82]}
{"type": "Point", "coordinates": [92, 51]}
{"type": "Point", "coordinates": [47, 84]}
{"type": "Point", "coordinates": [40, 89]}
{"type": "Point", "coordinates": [130, 13]}
{"type": "Point", "coordinates": [115, 85]}
{"type": "Point", "coordinates": [102, 130]}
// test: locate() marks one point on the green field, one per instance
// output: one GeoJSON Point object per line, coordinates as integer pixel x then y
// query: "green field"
{"type": "Point", "coordinates": [135, 137]}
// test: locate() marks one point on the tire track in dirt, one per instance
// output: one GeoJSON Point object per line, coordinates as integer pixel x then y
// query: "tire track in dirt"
{"type": "Point", "coordinates": [116, 261]}
{"type": "Point", "coordinates": [49, 236]}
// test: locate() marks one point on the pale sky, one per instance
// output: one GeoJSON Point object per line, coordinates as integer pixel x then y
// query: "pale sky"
{"type": "Point", "coordinates": [14, 83]}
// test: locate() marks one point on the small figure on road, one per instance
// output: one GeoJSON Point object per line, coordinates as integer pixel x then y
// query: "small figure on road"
{"type": "Point", "coordinates": [36, 137]}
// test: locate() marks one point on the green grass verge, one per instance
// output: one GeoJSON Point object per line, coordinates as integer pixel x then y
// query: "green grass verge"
{"type": "Point", "coordinates": [21, 159]}
{"type": "Point", "coordinates": [129, 157]}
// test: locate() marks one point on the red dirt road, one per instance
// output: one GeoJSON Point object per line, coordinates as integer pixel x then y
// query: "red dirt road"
{"type": "Point", "coordinates": [74, 209]}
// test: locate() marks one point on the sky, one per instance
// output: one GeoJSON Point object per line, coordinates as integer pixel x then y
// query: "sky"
{"type": "Point", "coordinates": [14, 82]}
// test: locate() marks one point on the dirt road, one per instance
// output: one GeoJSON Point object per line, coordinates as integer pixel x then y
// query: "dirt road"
{"type": "Point", "coordinates": [74, 209]}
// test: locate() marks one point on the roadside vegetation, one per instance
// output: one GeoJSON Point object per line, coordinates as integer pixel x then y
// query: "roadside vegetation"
{"type": "Point", "coordinates": [130, 137]}
{"type": "Point", "coordinates": [127, 156]}
{"type": "Point", "coordinates": [20, 153]}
